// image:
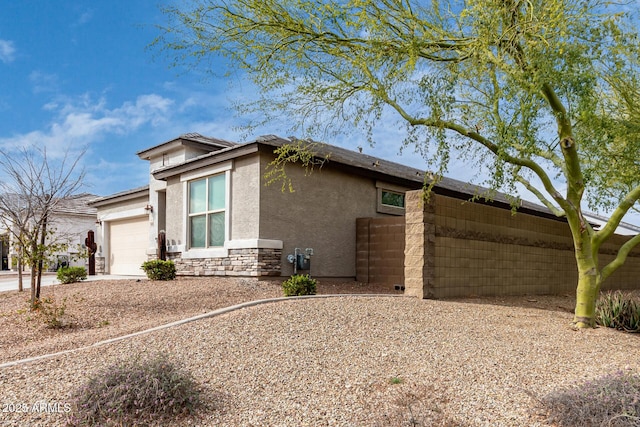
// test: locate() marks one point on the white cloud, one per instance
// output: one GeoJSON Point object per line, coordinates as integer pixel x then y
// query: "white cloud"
{"type": "Point", "coordinates": [83, 121]}
{"type": "Point", "coordinates": [84, 17]}
{"type": "Point", "coordinates": [42, 82]}
{"type": "Point", "coordinates": [7, 51]}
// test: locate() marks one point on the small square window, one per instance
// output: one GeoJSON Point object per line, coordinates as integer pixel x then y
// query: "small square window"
{"type": "Point", "coordinates": [391, 198]}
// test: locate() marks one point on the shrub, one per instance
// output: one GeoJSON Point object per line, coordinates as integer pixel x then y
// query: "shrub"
{"type": "Point", "coordinates": [159, 269]}
{"type": "Point", "coordinates": [135, 392]}
{"type": "Point", "coordinates": [71, 274]}
{"type": "Point", "coordinates": [619, 311]}
{"type": "Point", "coordinates": [52, 313]}
{"type": "Point", "coordinates": [299, 285]}
{"type": "Point", "coordinates": [611, 400]}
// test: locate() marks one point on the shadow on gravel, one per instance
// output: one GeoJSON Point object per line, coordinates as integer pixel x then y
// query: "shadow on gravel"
{"type": "Point", "coordinates": [559, 303]}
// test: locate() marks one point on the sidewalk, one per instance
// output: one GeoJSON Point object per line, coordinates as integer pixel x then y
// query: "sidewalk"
{"type": "Point", "coordinates": [9, 279]}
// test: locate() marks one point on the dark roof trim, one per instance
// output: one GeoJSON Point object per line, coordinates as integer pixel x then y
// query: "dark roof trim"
{"type": "Point", "coordinates": [194, 140]}
{"type": "Point", "coordinates": [120, 197]}
{"type": "Point", "coordinates": [396, 173]}
{"type": "Point", "coordinates": [206, 160]}
{"type": "Point", "coordinates": [363, 165]}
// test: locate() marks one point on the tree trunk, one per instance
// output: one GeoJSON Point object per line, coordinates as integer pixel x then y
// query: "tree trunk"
{"type": "Point", "coordinates": [588, 282]}
{"type": "Point", "coordinates": [19, 264]}
{"type": "Point", "coordinates": [586, 297]}
{"type": "Point", "coordinates": [33, 263]}
{"type": "Point", "coordinates": [43, 238]}
{"type": "Point", "coordinates": [34, 299]}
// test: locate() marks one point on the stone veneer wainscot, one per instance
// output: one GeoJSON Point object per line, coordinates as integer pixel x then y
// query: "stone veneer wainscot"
{"type": "Point", "coordinates": [240, 262]}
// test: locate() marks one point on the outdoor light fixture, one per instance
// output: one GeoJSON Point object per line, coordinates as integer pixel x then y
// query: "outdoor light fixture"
{"type": "Point", "coordinates": [148, 208]}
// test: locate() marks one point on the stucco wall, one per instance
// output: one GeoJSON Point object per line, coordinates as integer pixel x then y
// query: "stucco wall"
{"type": "Point", "coordinates": [245, 198]}
{"type": "Point", "coordinates": [72, 230]}
{"type": "Point", "coordinates": [320, 214]}
{"type": "Point", "coordinates": [175, 227]}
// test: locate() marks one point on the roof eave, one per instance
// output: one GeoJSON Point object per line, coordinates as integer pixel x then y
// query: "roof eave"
{"type": "Point", "coordinates": [120, 197]}
{"type": "Point", "coordinates": [205, 160]}
{"type": "Point", "coordinates": [182, 141]}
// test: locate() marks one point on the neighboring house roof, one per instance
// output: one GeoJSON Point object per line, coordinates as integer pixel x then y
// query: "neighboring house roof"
{"type": "Point", "coordinates": [121, 196]}
{"type": "Point", "coordinates": [76, 205]}
{"type": "Point", "coordinates": [623, 228]}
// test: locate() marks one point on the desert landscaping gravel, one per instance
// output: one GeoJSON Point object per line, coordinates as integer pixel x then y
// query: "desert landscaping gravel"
{"type": "Point", "coordinates": [339, 361]}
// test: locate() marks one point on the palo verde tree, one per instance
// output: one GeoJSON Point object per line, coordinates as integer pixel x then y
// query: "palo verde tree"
{"type": "Point", "coordinates": [32, 187]}
{"type": "Point", "coordinates": [544, 93]}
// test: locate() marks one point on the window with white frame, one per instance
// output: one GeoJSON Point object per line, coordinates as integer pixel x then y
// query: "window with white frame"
{"type": "Point", "coordinates": [207, 212]}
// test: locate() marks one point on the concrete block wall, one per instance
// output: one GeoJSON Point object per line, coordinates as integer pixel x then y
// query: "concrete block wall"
{"type": "Point", "coordinates": [456, 248]}
{"type": "Point", "coordinates": [483, 250]}
{"type": "Point", "coordinates": [380, 250]}
{"type": "Point", "coordinates": [420, 249]}
{"type": "Point", "coordinates": [628, 276]}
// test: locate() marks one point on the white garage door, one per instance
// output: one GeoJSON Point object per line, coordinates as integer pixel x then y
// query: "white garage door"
{"type": "Point", "coordinates": [129, 240]}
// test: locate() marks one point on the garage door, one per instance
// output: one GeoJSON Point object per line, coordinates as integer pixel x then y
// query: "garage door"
{"type": "Point", "coordinates": [129, 241]}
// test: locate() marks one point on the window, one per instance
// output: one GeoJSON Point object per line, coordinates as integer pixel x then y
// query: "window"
{"type": "Point", "coordinates": [207, 212]}
{"type": "Point", "coordinates": [391, 198]}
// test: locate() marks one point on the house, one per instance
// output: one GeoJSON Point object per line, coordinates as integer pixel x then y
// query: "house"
{"type": "Point", "coordinates": [350, 216]}
{"type": "Point", "coordinates": [209, 197]}
{"type": "Point", "coordinates": [70, 221]}
{"type": "Point", "coordinates": [219, 218]}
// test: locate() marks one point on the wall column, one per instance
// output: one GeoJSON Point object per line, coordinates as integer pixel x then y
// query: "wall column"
{"type": "Point", "coordinates": [420, 241]}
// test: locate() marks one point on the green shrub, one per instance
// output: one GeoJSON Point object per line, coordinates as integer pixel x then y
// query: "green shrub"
{"type": "Point", "coordinates": [618, 310]}
{"type": "Point", "coordinates": [135, 392]}
{"type": "Point", "coordinates": [159, 269]}
{"type": "Point", "coordinates": [611, 400]}
{"type": "Point", "coordinates": [299, 285]}
{"type": "Point", "coordinates": [71, 274]}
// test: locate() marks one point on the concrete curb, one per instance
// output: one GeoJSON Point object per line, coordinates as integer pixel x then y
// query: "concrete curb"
{"type": "Point", "coordinates": [214, 313]}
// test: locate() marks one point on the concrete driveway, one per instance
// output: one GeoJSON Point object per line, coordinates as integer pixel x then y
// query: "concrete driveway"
{"type": "Point", "coordinates": [9, 280]}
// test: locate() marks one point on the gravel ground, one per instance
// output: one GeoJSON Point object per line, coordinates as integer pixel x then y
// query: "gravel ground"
{"type": "Point", "coordinates": [317, 362]}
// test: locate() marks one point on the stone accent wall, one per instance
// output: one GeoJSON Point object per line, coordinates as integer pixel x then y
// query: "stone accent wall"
{"type": "Point", "coordinates": [380, 250]}
{"type": "Point", "coordinates": [456, 248]}
{"type": "Point", "coordinates": [100, 265]}
{"type": "Point", "coordinates": [240, 262]}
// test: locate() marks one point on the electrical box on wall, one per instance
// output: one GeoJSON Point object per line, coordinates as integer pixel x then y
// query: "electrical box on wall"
{"type": "Point", "coordinates": [301, 259]}
{"type": "Point", "coordinates": [303, 262]}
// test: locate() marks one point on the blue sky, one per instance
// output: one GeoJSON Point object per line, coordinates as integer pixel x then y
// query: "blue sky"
{"type": "Point", "coordinates": [80, 74]}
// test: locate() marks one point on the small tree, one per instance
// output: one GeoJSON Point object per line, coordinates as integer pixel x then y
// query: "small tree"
{"type": "Point", "coordinates": [32, 187]}
{"type": "Point", "coordinates": [543, 93]}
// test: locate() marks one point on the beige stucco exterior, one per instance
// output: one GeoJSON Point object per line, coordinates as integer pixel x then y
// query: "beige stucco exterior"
{"type": "Point", "coordinates": [263, 224]}
{"type": "Point", "coordinates": [243, 209]}
{"type": "Point", "coordinates": [321, 214]}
